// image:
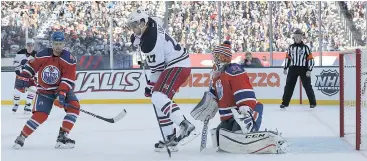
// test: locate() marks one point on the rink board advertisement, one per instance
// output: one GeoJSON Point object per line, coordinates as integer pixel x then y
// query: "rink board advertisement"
{"type": "Point", "coordinates": [127, 86]}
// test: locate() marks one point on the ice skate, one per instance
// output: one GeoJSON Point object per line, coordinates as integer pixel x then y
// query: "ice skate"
{"type": "Point", "coordinates": [27, 109]}
{"type": "Point", "coordinates": [187, 132]}
{"type": "Point", "coordinates": [15, 108]}
{"type": "Point", "coordinates": [171, 142]}
{"type": "Point", "coordinates": [283, 107]}
{"type": "Point", "coordinates": [19, 142]}
{"type": "Point", "coordinates": [63, 141]}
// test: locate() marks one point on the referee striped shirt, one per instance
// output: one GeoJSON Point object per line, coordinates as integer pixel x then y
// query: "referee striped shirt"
{"type": "Point", "coordinates": [299, 55]}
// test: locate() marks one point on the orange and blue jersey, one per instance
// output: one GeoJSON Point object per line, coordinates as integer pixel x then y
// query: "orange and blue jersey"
{"type": "Point", "coordinates": [55, 73]}
{"type": "Point", "coordinates": [233, 89]}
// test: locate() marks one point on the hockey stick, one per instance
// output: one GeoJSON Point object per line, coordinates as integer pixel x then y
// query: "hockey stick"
{"type": "Point", "coordinates": [204, 134]}
{"type": "Point", "coordinates": [110, 120]}
{"type": "Point", "coordinates": [156, 114]}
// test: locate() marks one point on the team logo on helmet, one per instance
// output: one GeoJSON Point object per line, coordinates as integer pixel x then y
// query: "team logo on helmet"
{"type": "Point", "coordinates": [50, 74]}
{"type": "Point", "coordinates": [219, 88]}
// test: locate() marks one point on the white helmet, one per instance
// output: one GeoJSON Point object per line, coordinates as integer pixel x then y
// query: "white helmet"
{"type": "Point", "coordinates": [30, 41]}
{"type": "Point", "coordinates": [136, 16]}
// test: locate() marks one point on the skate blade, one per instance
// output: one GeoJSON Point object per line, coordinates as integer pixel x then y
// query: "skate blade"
{"type": "Point", "coordinates": [194, 134]}
{"type": "Point", "coordinates": [27, 112]}
{"type": "Point", "coordinates": [171, 148]}
{"type": "Point", "coordinates": [16, 146]}
{"type": "Point", "coordinates": [60, 145]}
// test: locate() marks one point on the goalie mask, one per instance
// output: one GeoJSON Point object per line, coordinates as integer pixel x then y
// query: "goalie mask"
{"type": "Point", "coordinates": [222, 56]}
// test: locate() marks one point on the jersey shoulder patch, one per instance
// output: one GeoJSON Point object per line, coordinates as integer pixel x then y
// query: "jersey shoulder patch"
{"type": "Point", "coordinates": [66, 56]}
{"type": "Point", "coordinates": [44, 53]}
{"type": "Point", "coordinates": [234, 69]}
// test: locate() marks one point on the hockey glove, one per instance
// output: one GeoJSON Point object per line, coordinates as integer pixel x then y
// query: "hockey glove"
{"type": "Point", "coordinates": [61, 96]}
{"type": "Point", "coordinates": [245, 110]}
{"type": "Point", "coordinates": [148, 89]}
{"type": "Point", "coordinates": [246, 117]}
{"type": "Point", "coordinates": [21, 82]}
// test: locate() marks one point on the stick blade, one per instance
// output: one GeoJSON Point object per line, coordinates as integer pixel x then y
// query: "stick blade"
{"type": "Point", "coordinates": [119, 116]}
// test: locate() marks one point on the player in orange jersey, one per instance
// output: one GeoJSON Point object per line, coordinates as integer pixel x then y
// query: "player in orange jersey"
{"type": "Point", "coordinates": [241, 114]}
{"type": "Point", "coordinates": [56, 70]}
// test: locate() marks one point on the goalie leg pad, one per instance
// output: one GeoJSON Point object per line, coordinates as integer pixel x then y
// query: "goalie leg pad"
{"type": "Point", "coordinates": [213, 133]}
{"type": "Point", "coordinates": [257, 116]}
{"type": "Point", "coordinates": [208, 106]}
{"type": "Point", "coordinates": [262, 142]}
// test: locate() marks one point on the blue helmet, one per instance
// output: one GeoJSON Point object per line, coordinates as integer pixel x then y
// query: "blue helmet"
{"type": "Point", "coordinates": [57, 36]}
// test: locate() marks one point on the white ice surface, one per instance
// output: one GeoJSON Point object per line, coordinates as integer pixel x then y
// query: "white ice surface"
{"type": "Point", "coordinates": [313, 134]}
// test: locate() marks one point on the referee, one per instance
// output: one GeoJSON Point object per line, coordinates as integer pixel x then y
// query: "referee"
{"type": "Point", "coordinates": [300, 62]}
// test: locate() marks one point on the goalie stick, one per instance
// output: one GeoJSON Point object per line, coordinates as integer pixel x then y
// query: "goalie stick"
{"type": "Point", "coordinates": [156, 114]}
{"type": "Point", "coordinates": [110, 120]}
{"type": "Point", "coordinates": [204, 134]}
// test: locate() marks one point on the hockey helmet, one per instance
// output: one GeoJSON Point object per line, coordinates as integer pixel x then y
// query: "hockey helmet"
{"type": "Point", "coordinates": [30, 42]}
{"type": "Point", "coordinates": [58, 42]}
{"type": "Point", "coordinates": [136, 17]}
{"type": "Point", "coordinates": [222, 55]}
{"type": "Point", "coordinates": [57, 36]}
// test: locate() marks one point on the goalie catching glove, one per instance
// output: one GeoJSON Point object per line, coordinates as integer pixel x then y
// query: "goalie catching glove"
{"type": "Point", "coordinates": [207, 107]}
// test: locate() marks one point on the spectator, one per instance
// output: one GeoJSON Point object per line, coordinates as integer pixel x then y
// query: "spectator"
{"type": "Point", "coordinates": [265, 62]}
{"type": "Point", "coordinates": [193, 24]}
{"type": "Point", "coordinates": [251, 62]}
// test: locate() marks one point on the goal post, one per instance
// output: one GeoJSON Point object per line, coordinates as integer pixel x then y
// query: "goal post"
{"type": "Point", "coordinates": [353, 82]}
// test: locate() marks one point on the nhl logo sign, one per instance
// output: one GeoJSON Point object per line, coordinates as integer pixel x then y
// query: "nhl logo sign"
{"type": "Point", "coordinates": [328, 82]}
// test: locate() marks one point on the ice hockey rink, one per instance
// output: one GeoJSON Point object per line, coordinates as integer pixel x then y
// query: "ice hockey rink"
{"type": "Point", "coordinates": [312, 135]}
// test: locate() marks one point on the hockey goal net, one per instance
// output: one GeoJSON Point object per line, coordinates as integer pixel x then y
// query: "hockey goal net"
{"type": "Point", "coordinates": [353, 97]}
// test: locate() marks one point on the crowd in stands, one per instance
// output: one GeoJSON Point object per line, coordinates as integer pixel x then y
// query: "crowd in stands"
{"type": "Point", "coordinates": [357, 10]}
{"type": "Point", "coordinates": [194, 25]}
{"type": "Point", "coordinates": [15, 16]}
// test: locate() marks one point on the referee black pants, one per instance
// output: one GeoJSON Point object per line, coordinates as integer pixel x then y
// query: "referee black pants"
{"type": "Point", "coordinates": [292, 78]}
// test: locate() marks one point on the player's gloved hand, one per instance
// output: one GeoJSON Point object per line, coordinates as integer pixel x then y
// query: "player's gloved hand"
{"type": "Point", "coordinates": [245, 110]}
{"type": "Point", "coordinates": [61, 96]}
{"type": "Point", "coordinates": [285, 71]}
{"type": "Point", "coordinates": [21, 82]}
{"type": "Point", "coordinates": [246, 118]}
{"type": "Point", "coordinates": [148, 89]}
{"type": "Point", "coordinates": [308, 73]}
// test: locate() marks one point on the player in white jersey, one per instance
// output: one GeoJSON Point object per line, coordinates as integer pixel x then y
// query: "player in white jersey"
{"type": "Point", "coordinates": [170, 68]}
{"type": "Point", "coordinates": [21, 58]}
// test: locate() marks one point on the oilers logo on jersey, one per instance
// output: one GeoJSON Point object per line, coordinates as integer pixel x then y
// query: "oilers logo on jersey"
{"type": "Point", "coordinates": [50, 74]}
{"type": "Point", "coordinates": [219, 87]}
